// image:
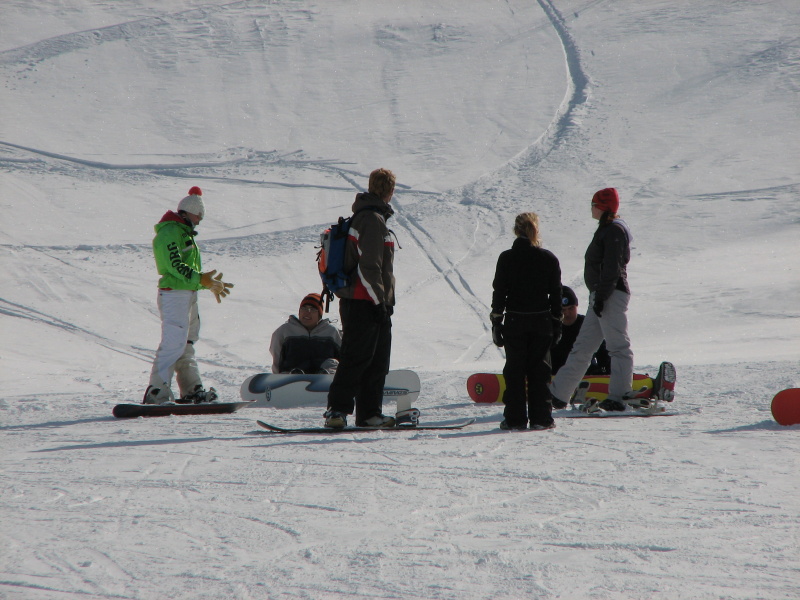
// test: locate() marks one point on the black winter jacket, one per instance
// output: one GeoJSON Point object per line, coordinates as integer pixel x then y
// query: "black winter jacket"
{"type": "Point", "coordinates": [527, 280]}
{"type": "Point", "coordinates": [294, 347]}
{"type": "Point", "coordinates": [606, 260]}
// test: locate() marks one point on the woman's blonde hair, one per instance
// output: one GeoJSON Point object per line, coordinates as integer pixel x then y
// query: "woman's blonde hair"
{"type": "Point", "coordinates": [527, 225]}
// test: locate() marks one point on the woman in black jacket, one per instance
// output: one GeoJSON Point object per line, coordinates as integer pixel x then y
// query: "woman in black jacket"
{"type": "Point", "coordinates": [527, 288]}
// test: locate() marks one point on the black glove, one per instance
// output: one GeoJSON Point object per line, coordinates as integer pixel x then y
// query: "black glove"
{"type": "Point", "coordinates": [557, 326]}
{"type": "Point", "coordinates": [497, 329]}
{"type": "Point", "coordinates": [598, 308]}
{"type": "Point", "coordinates": [497, 335]}
{"type": "Point", "coordinates": [381, 314]}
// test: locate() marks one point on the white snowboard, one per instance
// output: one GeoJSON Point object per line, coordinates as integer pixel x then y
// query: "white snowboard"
{"type": "Point", "coordinates": [280, 390]}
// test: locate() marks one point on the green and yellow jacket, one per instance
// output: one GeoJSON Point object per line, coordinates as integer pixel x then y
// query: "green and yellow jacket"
{"type": "Point", "coordinates": [177, 256]}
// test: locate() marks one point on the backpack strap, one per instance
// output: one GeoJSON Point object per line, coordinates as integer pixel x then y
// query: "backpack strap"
{"type": "Point", "coordinates": [327, 295]}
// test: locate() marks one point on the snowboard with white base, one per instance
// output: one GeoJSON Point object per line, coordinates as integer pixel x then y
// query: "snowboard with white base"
{"type": "Point", "coordinates": [289, 390]}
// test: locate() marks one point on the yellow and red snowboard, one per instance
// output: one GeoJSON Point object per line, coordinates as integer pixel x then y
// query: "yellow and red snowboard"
{"type": "Point", "coordinates": [487, 388]}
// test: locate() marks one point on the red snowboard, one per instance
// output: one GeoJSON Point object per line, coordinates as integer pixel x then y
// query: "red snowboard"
{"type": "Point", "coordinates": [786, 407]}
{"type": "Point", "coordinates": [486, 388]}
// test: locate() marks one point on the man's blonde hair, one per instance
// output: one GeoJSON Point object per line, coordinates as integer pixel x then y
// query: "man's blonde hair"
{"type": "Point", "coordinates": [527, 225]}
{"type": "Point", "coordinates": [381, 183]}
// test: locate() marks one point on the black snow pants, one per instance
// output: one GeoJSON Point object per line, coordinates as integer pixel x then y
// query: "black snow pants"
{"type": "Point", "coordinates": [364, 360]}
{"type": "Point", "coordinates": [527, 370]}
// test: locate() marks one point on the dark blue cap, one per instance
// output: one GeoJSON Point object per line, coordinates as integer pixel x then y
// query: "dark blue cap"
{"type": "Point", "coordinates": [568, 297]}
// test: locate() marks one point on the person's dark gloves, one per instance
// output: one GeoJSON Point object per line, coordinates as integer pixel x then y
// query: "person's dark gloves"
{"type": "Point", "coordinates": [598, 308]}
{"type": "Point", "coordinates": [381, 313]}
{"type": "Point", "coordinates": [557, 327]}
{"type": "Point", "coordinates": [497, 329]}
{"type": "Point", "coordinates": [497, 335]}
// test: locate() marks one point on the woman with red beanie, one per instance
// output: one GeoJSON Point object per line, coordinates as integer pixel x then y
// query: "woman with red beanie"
{"type": "Point", "coordinates": [606, 277]}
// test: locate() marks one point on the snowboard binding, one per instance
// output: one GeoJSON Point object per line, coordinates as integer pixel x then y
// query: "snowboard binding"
{"type": "Point", "coordinates": [664, 383]}
{"type": "Point", "coordinates": [635, 400]}
{"type": "Point", "coordinates": [407, 418]}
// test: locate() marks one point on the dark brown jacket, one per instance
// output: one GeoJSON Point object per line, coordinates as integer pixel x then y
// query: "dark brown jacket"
{"type": "Point", "coordinates": [369, 255]}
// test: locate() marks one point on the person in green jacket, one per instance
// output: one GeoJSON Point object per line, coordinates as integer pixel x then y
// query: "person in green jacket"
{"type": "Point", "coordinates": [179, 265]}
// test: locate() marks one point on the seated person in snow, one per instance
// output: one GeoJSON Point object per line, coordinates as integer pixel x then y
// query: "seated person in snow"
{"type": "Point", "coordinates": [601, 361]}
{"type": "Point", "coordinates": [306, 343]}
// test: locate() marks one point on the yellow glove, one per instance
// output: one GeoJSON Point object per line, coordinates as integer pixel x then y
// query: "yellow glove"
{"type": "Point", "coordinates": [219, 288]}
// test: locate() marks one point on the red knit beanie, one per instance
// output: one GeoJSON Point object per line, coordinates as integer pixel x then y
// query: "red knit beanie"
{"type": "Point", "coordinates": [314, 300]}
{"type": "Point", "coordinates": [606, 200]}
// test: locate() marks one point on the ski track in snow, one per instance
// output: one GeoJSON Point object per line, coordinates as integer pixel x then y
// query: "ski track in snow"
{"type": "Point", "coordinates": [575, 95]}
{"type": "Point", "coordinates": [195, 170]}
{"type": "Point", "coordinates": [15, 310]}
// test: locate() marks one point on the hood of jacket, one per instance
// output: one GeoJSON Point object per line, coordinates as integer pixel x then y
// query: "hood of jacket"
{"type": "Point", "coordinates": [624, 226]}
{"type": "Point", "coordinates": [366, 200]}
{"type": "Point", "coordinates": [172, 217]}
{"type": "Point", "coordinates": [297, 325]}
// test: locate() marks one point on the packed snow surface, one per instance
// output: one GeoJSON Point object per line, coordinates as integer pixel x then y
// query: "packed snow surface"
{"type": "Point", "coordinates": [279, 110]}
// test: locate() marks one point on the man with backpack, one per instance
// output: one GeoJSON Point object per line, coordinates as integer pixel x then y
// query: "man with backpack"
{"type": "Point", "coordinates": [366, 305]}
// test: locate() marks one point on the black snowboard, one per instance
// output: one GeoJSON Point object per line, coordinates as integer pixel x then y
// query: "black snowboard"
{"type": "Point", "coordinates": [275, 429]}
{"type": "Point", "coordinates": [130, 411]}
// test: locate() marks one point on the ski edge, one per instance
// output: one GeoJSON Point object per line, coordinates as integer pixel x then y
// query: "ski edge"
{"type": "Point", "coordinates": [134, 411]}
{"type": "Point", "coordinates": [276, 429]}
{"type": "Point", "coordinates": [628, 414]}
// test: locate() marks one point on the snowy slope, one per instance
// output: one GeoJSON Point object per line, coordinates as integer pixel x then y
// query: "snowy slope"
{"type": "Point", "coordinates": [279, 110]}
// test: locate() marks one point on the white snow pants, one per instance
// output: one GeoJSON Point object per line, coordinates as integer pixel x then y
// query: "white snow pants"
{"type": "Point", "coordinates": [611, 327]}
{"type": "Point", "coordinates": [180, 328]}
